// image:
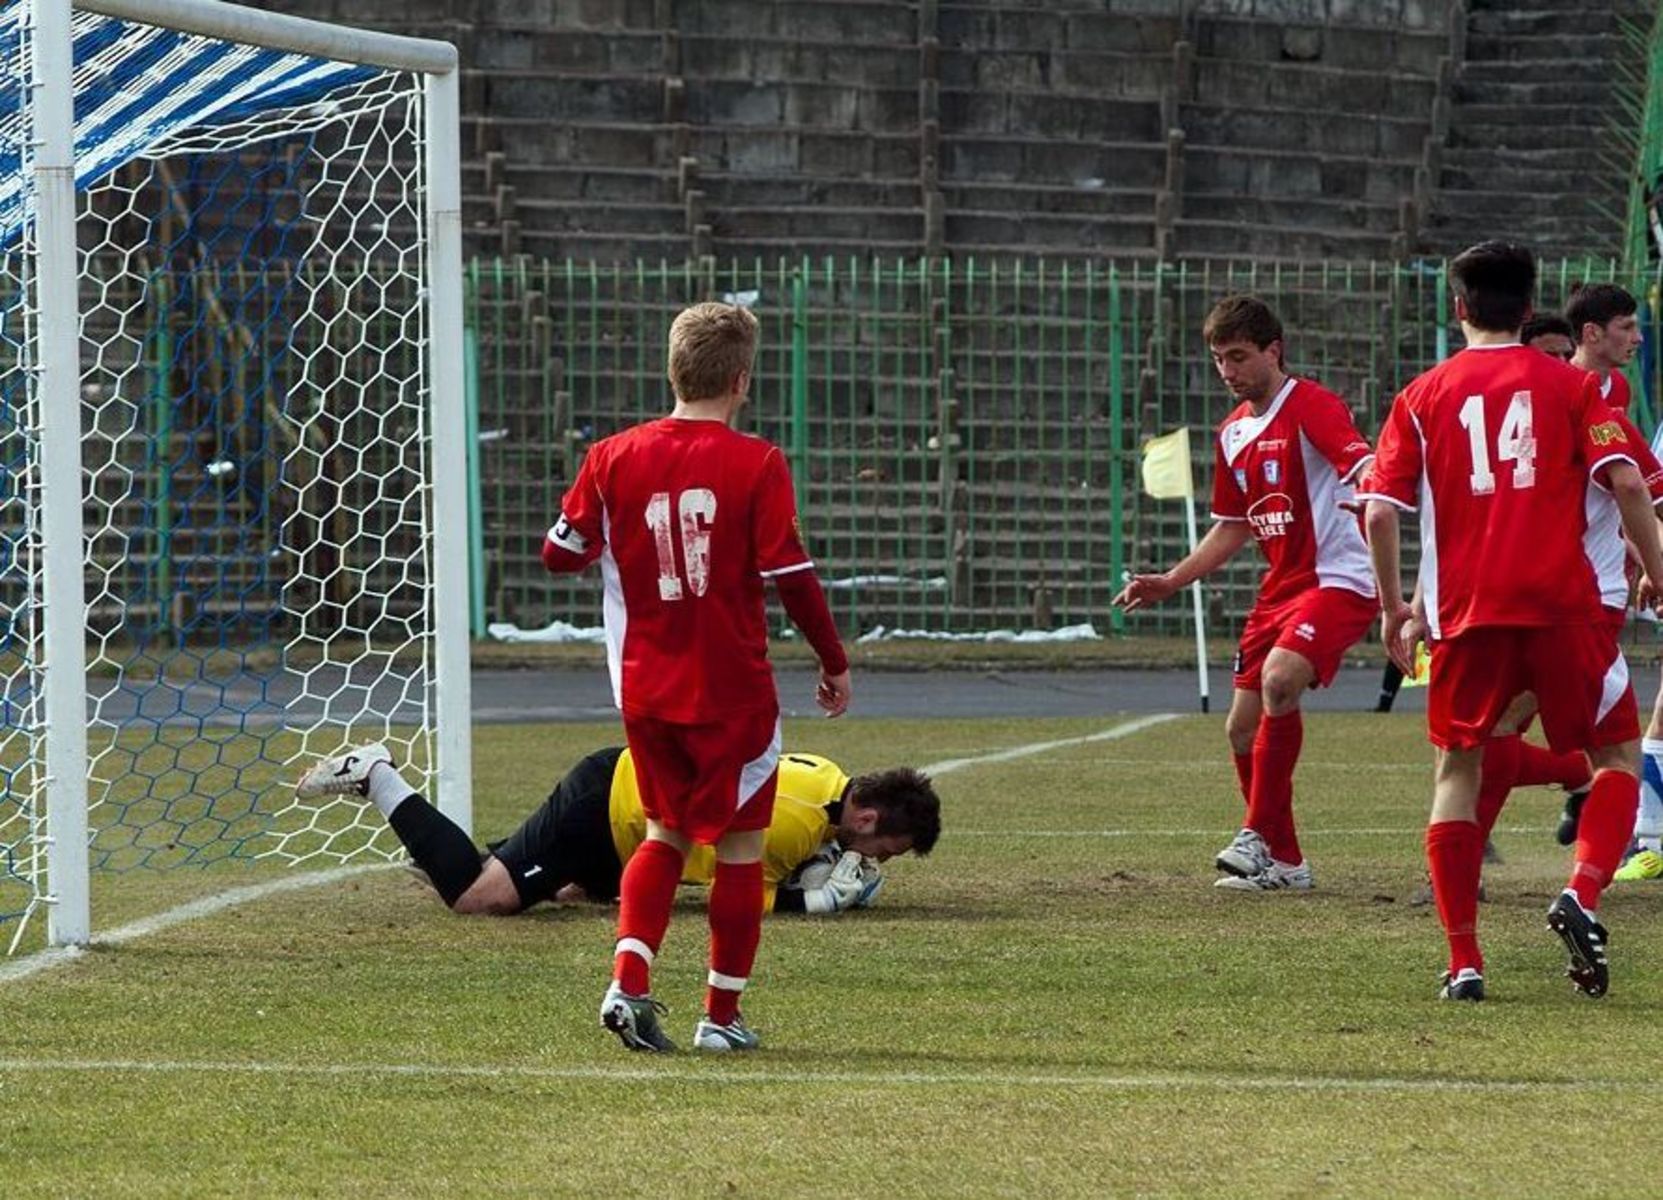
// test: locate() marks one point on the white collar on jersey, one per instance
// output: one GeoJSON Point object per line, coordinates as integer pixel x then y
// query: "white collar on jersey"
{"type": "Point", "coordinates": [1237, 434]}
{"type": "Point", "coordinates": [1605, 386]}
{"type": "Point", "coordinates": [1494, 346]}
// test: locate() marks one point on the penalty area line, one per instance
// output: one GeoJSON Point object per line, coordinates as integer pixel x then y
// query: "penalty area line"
{"type": "Point", "coordinates": [1217, 831]}
{"type": "Point", "coordinates": [45, 960]}
{"type": "Point", "coordinates": [1027, 749]}
{"type": "Point", "coordinates": [1126, 1081]}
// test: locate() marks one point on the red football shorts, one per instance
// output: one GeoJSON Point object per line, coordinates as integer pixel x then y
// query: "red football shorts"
{"type": "Point", "coordinates": [1319, 625]}
{"type": "Point", "coordinates": [1577, 672]}
{"type": "Point", "coordinates": [706, 780]}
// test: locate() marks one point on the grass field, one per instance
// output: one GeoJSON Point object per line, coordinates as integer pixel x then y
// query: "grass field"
{"type": "Point", "coordinates": [1057, 1002]}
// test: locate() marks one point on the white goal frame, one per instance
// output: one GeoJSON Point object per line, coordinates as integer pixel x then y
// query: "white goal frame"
{"type": "Point", "coordinates": [58, 388]}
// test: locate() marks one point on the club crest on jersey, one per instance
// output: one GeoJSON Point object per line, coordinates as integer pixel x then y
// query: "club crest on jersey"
{"type": "Point", "coordinates": [1273, 471]}
{"type": "Point", "coordinates": [1607, 433]}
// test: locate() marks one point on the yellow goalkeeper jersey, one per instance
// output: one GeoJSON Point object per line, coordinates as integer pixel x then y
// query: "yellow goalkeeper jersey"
{"type": "Point", "coordinates": [800, 826]}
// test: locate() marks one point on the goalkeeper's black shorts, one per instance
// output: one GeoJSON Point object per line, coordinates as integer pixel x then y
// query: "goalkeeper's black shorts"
{"type": "Point", "coordinates": [569, 838]}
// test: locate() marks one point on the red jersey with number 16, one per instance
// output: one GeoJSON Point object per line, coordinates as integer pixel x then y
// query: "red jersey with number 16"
{"type": "Point", "coordinates": [1286, 472]}
{"type": "Point", "coordinates": [1495, 446]}
{"type": "Point", "coordinates": [687, 518]}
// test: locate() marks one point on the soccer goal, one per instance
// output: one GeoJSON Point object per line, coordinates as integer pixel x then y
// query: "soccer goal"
{"type": "Point", "coordinates": [233, 499]}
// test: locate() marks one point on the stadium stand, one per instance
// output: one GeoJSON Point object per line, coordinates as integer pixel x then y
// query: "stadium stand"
{"type": "Point", "coordinates": [1540, 126]}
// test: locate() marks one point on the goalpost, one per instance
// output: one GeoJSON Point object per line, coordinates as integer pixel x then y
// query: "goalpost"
{"type": "Point", "coordinates": [232, 463]}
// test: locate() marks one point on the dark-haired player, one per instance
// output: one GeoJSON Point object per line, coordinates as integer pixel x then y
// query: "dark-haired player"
{"type": "Point", "coordinates": [1551, 334]}
{"type": "Point", "coordinates": [1285, 458]}
{"type": "Point", "coordinates": [1495, 447]}
{"type": "Point", "coordinates": [592, 822]}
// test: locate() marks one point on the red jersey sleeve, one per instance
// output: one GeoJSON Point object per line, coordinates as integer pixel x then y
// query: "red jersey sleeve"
{"type": "Point", "coordinates": [1395, 474]}
{"type": "Point", "coordinates": [1229, 501]}
{"type": "Point", "coordinates": [1327, 423]}
{"type": "Point", "coordinates": [1602, 434]}
{"type": "Point", "coordinates": [576, 539]}
{"type": "Point", "coordinates": [778, 541]}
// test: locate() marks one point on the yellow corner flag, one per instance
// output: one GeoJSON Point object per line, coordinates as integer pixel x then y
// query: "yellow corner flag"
{"type": "Point", "coordinates": [1166, 466]}
{"type": "Point", "coordinates": [1423, 667]}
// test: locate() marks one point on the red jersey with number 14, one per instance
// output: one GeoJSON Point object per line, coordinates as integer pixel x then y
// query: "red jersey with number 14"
{"type": "Point", "coordinates": [1286, 473]}
{"type": "Point", "coordinates": [687, 518]}
{"type": "Point", "coordinates": [1495, 446]}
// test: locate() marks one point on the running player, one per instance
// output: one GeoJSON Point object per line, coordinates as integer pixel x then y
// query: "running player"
{"type": "Point", "coordinates": [1495, 447]}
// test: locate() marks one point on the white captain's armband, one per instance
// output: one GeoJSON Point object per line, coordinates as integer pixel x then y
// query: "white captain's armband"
{"type": "Point", "coordinates": [567, 538]}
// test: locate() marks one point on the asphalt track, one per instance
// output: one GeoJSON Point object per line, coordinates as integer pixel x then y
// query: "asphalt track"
{"type": "Point", "coordinates": [502, 697]}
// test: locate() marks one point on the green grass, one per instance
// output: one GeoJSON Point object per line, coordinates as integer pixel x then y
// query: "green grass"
{"type": "Point", "coordinates": [1023, 1014]}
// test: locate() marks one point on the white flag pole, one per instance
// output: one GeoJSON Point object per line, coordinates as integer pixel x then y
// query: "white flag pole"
{"type": "Point", "coordinates": [1200, 620]}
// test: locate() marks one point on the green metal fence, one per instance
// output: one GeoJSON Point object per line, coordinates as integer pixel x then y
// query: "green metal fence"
{"type": "Point", "coordinates": [964, 435]}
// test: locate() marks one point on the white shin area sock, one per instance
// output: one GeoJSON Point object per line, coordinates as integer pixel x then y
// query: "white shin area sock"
{"type": "Point", "coordinates": [387, 788]}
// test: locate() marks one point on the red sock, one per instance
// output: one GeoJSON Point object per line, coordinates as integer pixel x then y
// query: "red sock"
{"type": "Point", "coordinates": [645, 895]}
{"type": "Point", "coordinates": [1455, 855]}
{"type": "Point", "coordinates": [1244, 776]}
{"type": "Point", "coordinates": [1501, 772]}
{"type": "Point", "coordinates": [1538, 766]}
{"type": "Point", "coordinates": [1602, 834]}
{"type": "Point", "coordinates": [1270, 802]}
{"type": "Point", "coordinates": [735, 930]}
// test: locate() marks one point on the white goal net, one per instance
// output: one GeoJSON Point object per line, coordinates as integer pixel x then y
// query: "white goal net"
{"type": "Point", "coordinates": [261, 409]}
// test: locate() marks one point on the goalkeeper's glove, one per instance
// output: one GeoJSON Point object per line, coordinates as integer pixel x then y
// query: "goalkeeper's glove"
{"type": "Point", "coordinates": [841, 890]}
{"type": "Point", "coordinates": [871, 882]}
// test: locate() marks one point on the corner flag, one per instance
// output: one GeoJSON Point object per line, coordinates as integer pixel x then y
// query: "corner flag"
{"type": "Point", "coordinates": [1167, 476]}
{"type": "Point", "coordinates": [1166, 466]}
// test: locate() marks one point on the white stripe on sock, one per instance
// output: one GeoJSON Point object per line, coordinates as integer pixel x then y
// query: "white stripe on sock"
{"type": "Point", "coordinates": [635, 946]}
{"type": "Point", "coordinates": [728, 983]}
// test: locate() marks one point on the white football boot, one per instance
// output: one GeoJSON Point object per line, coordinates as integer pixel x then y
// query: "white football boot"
{"type": "Point", "coordinates": [343, 773]}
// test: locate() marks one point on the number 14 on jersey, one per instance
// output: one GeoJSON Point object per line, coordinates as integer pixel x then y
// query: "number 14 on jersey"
{"type": "Point", "coordinates": [1515, 443]}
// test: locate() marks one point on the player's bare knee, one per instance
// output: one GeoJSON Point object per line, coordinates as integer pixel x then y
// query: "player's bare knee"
{"type": "Point", "coordinates": [491, 895]}
{"type": "Point", "coordinates": [1624, 756]}
{"type": "Point", "coordinates": [1240, 733]}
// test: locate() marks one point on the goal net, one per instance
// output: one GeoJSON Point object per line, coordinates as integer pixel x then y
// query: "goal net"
{"type": "Point", "coordinates": [262, 407]}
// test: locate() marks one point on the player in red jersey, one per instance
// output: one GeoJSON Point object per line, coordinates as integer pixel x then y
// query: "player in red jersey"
{"type": "Point", "coordinates": [688, 517]}
{"type": "Point", "coordinates": [1605, 329]}
{"type": "Point", "coordinates": [1495, 447]}
{"type": "Point", "coordinates": [1285, 458]}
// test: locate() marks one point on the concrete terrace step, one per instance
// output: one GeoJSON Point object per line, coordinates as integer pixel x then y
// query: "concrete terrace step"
{"type": "Point", "coordinates": [1278, 128]}
{"type": "Point", "coordinates": [832, 21]}
{"type": "Point", "coordinates": [1251, 84]}
{"type": "Point", "coordinates": [1562, 70]}
{"type": "Point", "coordinates": [1414, 52]}
{"type": "Point", "coordinates": [1066, 232]}
{"type": "Point", "coordinates": [1093, 73]}
{"type": "Point", "coordinates": [729, 190]}
{"type": "Point", "coordinates": [1297, 172]}
{"type": "Point", "coordinates": [575, 51]}
{"type": "Point", "coordinates": [1048, 115]}
{"type": "Point", "coordinates": [1265, 241]}
{"type": "Point", "coordinates": [990, 159]}
{"type": "Point", "coordinates": [1528, 93]}
{"type": "Point", "coordinates": [1305, 212]}
{"type": "Point", "coordinates": [578, 182]}
{"type": "Point", "coordinates": [1046, 198]}
{"type": "Point", "coordinates": [1535, 21]}
{"type": "Point", "coordinates": [805, 105]}
{"type": "Point", "coordinates": [806, 224]}
{"type": "Point", "coordinates": [1000, 26]}
{"type": "Point", "coordinates": [1602, 46]}
{"type": "Point", "coordinates": [705, 57]}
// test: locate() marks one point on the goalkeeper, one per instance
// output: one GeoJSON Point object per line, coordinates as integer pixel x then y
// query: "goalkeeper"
{"type": "Point", "coordinates": [820, 854]}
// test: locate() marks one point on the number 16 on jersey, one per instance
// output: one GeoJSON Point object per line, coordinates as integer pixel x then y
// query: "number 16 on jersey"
{"type": "Point", "coordinates": [694, 513]}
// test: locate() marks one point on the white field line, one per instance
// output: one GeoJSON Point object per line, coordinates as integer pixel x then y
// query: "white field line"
{"type": "Point", "coordinates": [683, 1072]}
{"type": "Point", "coordinates": [1216, 831]}
{"type": "Point", "coordinates": [205, 906]}
{"type": "Point", "coordinates": [46, 959]}
{"type": "Point", "coordinates": [1031, 748]}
